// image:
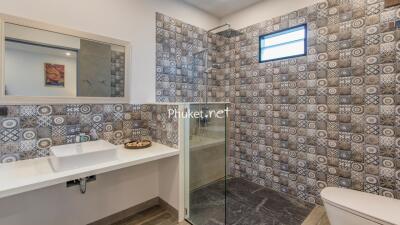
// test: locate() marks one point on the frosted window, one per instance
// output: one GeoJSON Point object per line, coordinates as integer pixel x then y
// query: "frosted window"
{"type": "Point", "coordinates": [284, 44]}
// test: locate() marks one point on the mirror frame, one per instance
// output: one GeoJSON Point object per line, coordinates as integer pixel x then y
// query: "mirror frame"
{"type": "Point", "coordinates": [29, 100]}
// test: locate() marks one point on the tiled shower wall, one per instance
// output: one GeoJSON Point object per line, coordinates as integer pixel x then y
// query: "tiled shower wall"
{"type": "Point", "coordinates": [30, 130]}
{"type": "Point", "coordinates": [331, 118]}
{"type": "Point", "coordinates": [180, 73]}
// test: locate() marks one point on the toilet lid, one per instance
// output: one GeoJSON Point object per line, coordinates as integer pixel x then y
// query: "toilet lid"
{"type": "Point", "coordinates": [374, 206]}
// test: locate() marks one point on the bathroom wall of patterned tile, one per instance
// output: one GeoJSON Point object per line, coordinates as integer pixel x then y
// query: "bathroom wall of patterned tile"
{"type": "Point", "coordinates": [180, 70]}
{"type": "Point", "coordinates": [161, 127]}
{"type": "Point", "coordinates": [330, 118]}
{"type": "Point", "coordinates": [30, 130]}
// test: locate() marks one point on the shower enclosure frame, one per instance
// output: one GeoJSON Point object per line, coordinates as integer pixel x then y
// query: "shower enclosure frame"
{"type": "Point", "coordinates": [184, 144]}
{"type": "Point", "coordinates": [185, 128]}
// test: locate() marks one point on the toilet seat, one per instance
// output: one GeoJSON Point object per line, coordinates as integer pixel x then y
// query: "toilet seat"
{"type": "Point", "coordinates": [379, 209]}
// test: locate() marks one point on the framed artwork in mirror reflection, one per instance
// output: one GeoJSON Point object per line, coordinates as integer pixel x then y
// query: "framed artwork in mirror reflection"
{"type": "Point", "coordinates": [54, 75]}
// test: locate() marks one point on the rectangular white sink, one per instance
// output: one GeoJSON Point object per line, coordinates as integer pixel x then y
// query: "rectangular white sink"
{"type": "Point", "coordinates": [74, 156]}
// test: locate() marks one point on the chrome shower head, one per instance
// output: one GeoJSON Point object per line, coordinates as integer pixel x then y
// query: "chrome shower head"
{"type": "Point", "coordinates": [229, 33]}
{"type": "Point", "coordinates": [200, 51]}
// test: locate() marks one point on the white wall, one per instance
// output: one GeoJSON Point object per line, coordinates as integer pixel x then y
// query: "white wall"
{"type": "Point", "coordinates": [169, 181]}
{"type": "Point", "coordinates": [265, 10]}
{"type": "Point", "coordinates": [110, 193]}
{"type": "Point", "coordinates": [24, 72]}
{"type": "Point", "coordinates": [130, 20]}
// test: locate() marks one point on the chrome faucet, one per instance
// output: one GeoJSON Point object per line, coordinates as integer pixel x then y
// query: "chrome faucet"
{"type": "Point", "coordinates": [93, 135]}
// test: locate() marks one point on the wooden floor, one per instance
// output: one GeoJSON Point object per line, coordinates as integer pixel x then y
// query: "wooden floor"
{"type": "Point", "coordinates": [156, 215]}
{"type": "Point", "coordinates": [317, 217]}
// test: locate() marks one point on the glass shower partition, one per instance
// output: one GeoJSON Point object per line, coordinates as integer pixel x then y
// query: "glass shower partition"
{"type": "Point", "coordinates": [205, 163]}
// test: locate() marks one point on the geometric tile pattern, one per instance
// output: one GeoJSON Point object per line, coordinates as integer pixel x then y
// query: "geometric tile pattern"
{"type": "Point", "coordinates": [180, 71]}
{"type": "Point", "coordinates": [32, 129]}
{"type": "Point", "coordinates": [161, 127]}
{"type": "Point", "coordinates": [331, 118]}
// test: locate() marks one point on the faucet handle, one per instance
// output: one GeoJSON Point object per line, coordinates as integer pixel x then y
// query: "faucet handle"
{"type": "Point", "coordinates": [93, 134]}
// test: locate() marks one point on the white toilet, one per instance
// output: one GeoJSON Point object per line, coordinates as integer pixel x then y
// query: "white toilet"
{"type": "Point", "coordinates": [349, 207]}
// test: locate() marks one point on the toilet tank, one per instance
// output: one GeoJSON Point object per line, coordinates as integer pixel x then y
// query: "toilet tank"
{"type": "Point", "coordinates": [349, 207]}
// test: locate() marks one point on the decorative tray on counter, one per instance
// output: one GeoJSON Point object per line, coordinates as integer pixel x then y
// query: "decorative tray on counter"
{"type": "Point", "coordinates": [139, 144]}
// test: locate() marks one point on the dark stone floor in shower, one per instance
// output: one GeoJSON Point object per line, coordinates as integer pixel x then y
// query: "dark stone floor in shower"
{"type": "Point", "coordinates": [247, 204]}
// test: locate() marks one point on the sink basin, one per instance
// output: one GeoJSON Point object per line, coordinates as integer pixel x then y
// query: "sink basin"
{"type": "Point", "coordinates": [73, 156]}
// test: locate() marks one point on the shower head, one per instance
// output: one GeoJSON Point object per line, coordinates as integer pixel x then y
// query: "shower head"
{"type": "Point", "coordinates": [228, 32]}
{"type": "Point", "coordinates": [200, 51]}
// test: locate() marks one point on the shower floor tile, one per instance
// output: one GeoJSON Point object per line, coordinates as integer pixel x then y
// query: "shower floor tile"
{"type": "Point", "coordinates": [247, 204]}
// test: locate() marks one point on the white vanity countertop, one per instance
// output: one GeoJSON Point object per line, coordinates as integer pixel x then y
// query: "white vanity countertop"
{"type": "Point", "coordinates": [28, 175]}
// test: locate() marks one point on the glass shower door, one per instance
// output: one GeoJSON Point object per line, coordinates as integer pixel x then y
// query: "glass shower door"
{"type": "Point", "coordinates": [205, 164]}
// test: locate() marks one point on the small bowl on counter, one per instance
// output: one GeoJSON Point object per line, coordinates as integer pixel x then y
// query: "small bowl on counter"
{"type": "Point", "coordinates": [138, 144]}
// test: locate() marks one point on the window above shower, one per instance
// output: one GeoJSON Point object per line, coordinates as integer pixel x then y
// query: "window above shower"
{"type": "Point", "coordinates": [284, 44]}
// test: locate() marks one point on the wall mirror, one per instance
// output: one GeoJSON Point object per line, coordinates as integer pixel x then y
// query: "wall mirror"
{"type": "Point", "coordinates": [47, 64]}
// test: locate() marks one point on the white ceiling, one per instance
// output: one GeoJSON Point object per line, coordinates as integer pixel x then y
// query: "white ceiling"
{"type": "Point", "coordinates": [221, 8]}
